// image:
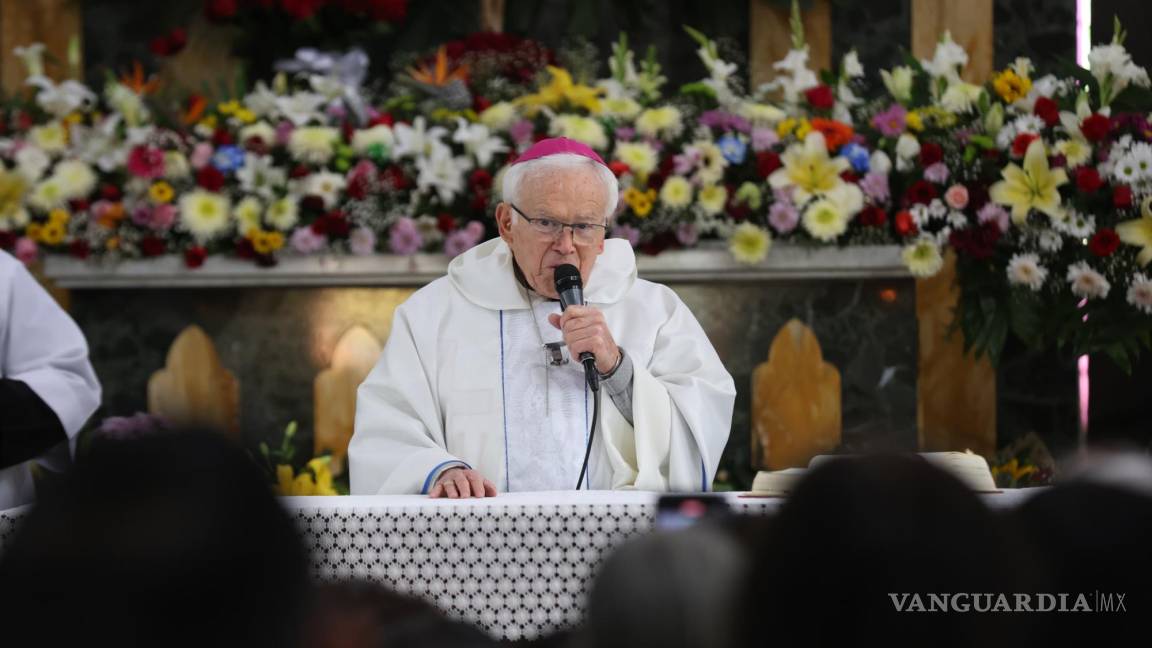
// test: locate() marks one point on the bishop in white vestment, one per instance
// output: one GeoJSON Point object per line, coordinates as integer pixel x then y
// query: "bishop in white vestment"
{"type": "Point", "coordinates": [479, 389]}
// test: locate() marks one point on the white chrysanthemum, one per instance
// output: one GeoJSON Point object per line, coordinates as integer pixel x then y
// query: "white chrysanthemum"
{"type": "Point", "coordinates": [639, 157]}
{"type": "Point", "coordinates": [176, 166]}
{"type": "Point", "coordinates": [907, 147]}
{"type": "Point", "coordinates": [260, 130]}
{"type": "Point", "coordinates": [1140, 293]}
{"type": "Point", "coordinates": [1141, 155]}
{"type": "Point", "coordinates": [825, 220]}
{"type": "Point", "coordinates": [664, 122]}
{"type": "Point", "coordinates": [923, 257]}
{"type": "Point", "coordinates": [1025, 270]}
{"type": "Point", "coordinates": [1126, 170]}
{"type": "Point", "coordinates": [16, 219]}
{"type": "Point", "coordinates": [261, 176]}
{"type": "Point", "coordinates": [51, 137]}
{"type": "Point", "coordinates": [1029, 124]}
{"type": "Point", "coordinates": [48, 195]}
{"type": "Point", "coordinates": [1050, 241]}
{"type": "Point", "coordinates": [1086, 282]}
{"type": "Point", "coordinates": [749, 243]}
{"type": "Point", "coordinates": [76, 178]}
{"type": "Point", "coordinates": [676, 192]}
{"type": "Point", "coordinates": [31, 162]}
{"type": "Point", "coordinates": [1076, 151]}
{"type": "Point", "coordinates": [712, 162]}
{"type": "Point", "coordinates": [712, 199]}
{"type": "Point", "coordinates": [582, 129]}
{"type": "Point", "coordinates": [1077, 225]}
{"type": "Point", "coordinates": [379, 135]}
{"type": "Point", "coordinates": [205, 214]}
{"type": "Point", "coordinates": [283, 214]}
{"type": "Point", "coordinates": [499, 116]}
{"type": "Point", "coordinates": [248, 212]}
{"type": "Point", "coordinates": [920, 215]}
{"type": "Point", "coordinates": [314, 144]}
{"type": "Point", "coordinates": [325, 185]}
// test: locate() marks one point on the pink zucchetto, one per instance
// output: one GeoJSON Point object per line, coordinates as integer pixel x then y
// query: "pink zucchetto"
{"type": "Point", "coordinates": [556, 146]}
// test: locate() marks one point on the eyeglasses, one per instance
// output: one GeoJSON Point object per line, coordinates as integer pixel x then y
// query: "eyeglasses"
{"type": "Point", "coordinates": [582, 233]}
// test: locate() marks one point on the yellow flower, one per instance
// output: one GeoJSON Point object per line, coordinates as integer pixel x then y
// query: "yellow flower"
{"type": "Point", "coordinates": [803, 129]}
{"type": "Point", "coordinates": [750, 195]}
{"type": "Point", "coordinates": [642, 203]}
{"type": "Point", "coordinates": [824, 220]}
{"type": "Point", "coordinates": [560, 90]}
{"type": "Point", "coordinates": [161, 192]}
{"type": "Point", "coordinates": [665, 122]}
{"type": "Point", "coordinates": [807, 167]}
{"type": "Point", "coordinates": [1014, 470]}
{"type": "Point", "coordinates": [34, 231]}
{"type": "Point", "coordinates": [247, 214]}
{"type": "Point", "coordinates": [1076, 151]}
{"type": "Point", "coordinates": [1136, 232]}
{"type": "Point", "coordinates": [315, 144]}
{"type": "Point", "coordinates": [786, 126]}
{"type": "Point", "coordinates": [498, 116]}
{"type": "Point", "coordinates": [228, 107]}
{"type": "Point", "coordinates": [712, 199]}
{"type": "Point", "coordinates": [621, 107]}
{"type": "Point", "coordinates": [73, 118]}
{"type": "Point", "coordinates": [266, 242]}
{"type": "Point", "coordinates": [53, 233]}
{"type": "Point", "coordinates": [1035, 186]}
{"type": "Point", "coordinates": [1011, 86]}
{"type": "Point", "coordinates": [208, 122]}
{"type": "Point", "coordinates": [581, 129]}
{"type": "Point", "coordinates": [205, 214]}
{"type": "Point", "coordinates": [112, 243]}
{"type": "Point", "coordinates": [315, 479]}
{"type": "Point", "coordinates": [676, 192]}
{"type": "Point", "coordinates": [749, 243]}
{"type": "Point", "coordinates": [13, 186]}
{"type": "Point", "coordinates": [923, 258]}
{"type": "Point", "coordinates": [59, 215]}
{"type": "Point", "coordinates": [52, 137]}
{"type": "Point", "coordinates": [914, 121]}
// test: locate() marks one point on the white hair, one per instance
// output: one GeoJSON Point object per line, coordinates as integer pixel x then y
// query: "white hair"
{"type": "Point", "coordinates": [513, 177]}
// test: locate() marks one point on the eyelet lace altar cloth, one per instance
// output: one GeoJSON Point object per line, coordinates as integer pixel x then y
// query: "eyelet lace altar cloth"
{"type": "Point", "coordinates": [519, 565]}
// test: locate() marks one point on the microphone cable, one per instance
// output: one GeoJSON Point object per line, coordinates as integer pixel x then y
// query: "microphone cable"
{"type": "Point", "coordinates": [591, 436]}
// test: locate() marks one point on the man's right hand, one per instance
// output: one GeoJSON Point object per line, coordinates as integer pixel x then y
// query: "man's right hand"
{"type": "Point", "coordinates": [456, 483]}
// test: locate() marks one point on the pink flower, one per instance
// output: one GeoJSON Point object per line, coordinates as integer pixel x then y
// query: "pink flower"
{"type": "Point", "coordinates": [142, 215]}
{"type": "Point", "coordinates": [875, 186]}
{"type": "Point", "coordinates": [284, 132]}
{"type": "Point", "coordinates": [362, 241]}
{"type": "Point", "coordinates": [956, 196]}
{"type": "Point", "coordinates": [521, 132]}
{"type": "Point", "coordinates": [763, 139]}
{"type": "Point", "coordinates": [628, 233]}
{"type": "Point", "coordinates": [201, 155]}
{"type": "Point", "coordinates": [26, 250]}
{"type": "Point", "coordinates": [163, 217]}
{"type": "Point", "coordinates": [475, 229]}
{"type": "Point", "coordinates": [891, 122]}
{"type": "Point", "coordinates": [306, 241]}
{"type": "Point", "coordinates": [783, 216]}
{"type": "Point", "coordinates": [937, 172]}
{"type": "Point", "coordinates": [687, 234]}
{"type": "Point", "coordinates": [459, 242]}
{"type": "Point", "coordinates": [404, 237]}
{"type": "Point", "coordinates": [146, 162]}
{"type": "Point", "coordinates": [995, 213]}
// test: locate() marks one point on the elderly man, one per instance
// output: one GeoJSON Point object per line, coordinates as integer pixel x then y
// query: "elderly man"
{"type": "Point", "coordinates": [480, 389]}
{"type": "Point", "coordinates": [47, 386]}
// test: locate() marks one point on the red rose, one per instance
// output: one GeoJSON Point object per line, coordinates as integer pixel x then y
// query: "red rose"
{"type": "Point", "coordinates": [1122, 197]}
{"type": "Point", "coordinates": [480, 104]}
{"type": "Point", "coordinates": [151, 246]}
{"type": "Point", "coordinates": [1021, 143]}
{"type": "Point", "coordinates": [921, 192]}
{"type": "Point", "coordinates": [1095, 127]}
{"type": "Point", "coordinates": [849, 176]}
{"type": "Point", "coordinates": [319, 226]}
{"type": "Point", "coordinates": [394, 176]}
{"type": "Point", "coordinates": [978, 242]}
{"type": "Point", "coordinates": [618, 168]}
{"type": "Point", "coordinates": [78, 205]}
{"type": "Point", "coordinates": [300, 9]}
{"type": "Point", "coordinates": [1047, 110]}
{"type": "Point", "coordinates": [358, 187]}
{"type": "Point", "coordinates": [338, 225]}
{"type": "Point", "coordinates": [1088, 180]}
{"type": "Point", "coordinates": [194, 256]}
{"type": "Point", "coordinates": [158, 46]}
{"type": "Point", "coordinates": [312, 203]}
{"type": "Point", "coordinates": [905, 226]}
{"type": "Point", "coordinates": [445, 223]}
{"type": "Point", "coordinates": [7, 239]}
{"type": "Point", "coordinates": [388, 10]}
{"type": "Point", "coordinates": [222, 137]}
{"type": "Point", "coordinates": [299, 171]}
{"type": "Point", "coordinates": [219, 11]}
{"type": "Point", "coordinates": [244, 249]}
{"type": "Point", "coordinates": [766, 163]}
{"type": "Point", "coordinates": [930, 153]}
{"type": "Point", "coordinates": [79, 249]}
{"type": "Point", "coordinates": [110, 192]}
{"type": "Point", "coordinates": [820, 97]}
{"type": "Point", "coordinates": [384, 119]}
{"type": "Point", "coordinates": [177, 40]}
{"type": "Point", "coordinates": [872, 216]}
{"type": "Point", "coordinates": [210, 178]}
{"type": "Point", "coordinates": [1104, 242]}
{"type": "Point", "coordinates": [481, 179]}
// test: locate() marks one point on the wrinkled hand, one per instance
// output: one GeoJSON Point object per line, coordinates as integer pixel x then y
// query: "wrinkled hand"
{"type": "Point", "coordinates": [456, 483]}
{"type": "Point", "coordinates": [585, 330]}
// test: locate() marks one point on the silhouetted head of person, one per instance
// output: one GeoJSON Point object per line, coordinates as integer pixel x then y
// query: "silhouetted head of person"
{"type": "Point", "coordinates": [173, 539]}
{"type": "Point", "coordinates": [858, 532]}
{"type": "Point", "coordinates": [365, 615]}
{"type": "Point", "coordinates": [668, 589]}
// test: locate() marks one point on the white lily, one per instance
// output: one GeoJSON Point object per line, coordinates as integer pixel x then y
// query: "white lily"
{"type": "Point", "coordinates": [442, 172]}
{"type": "Point", "coordinates": [301, 107]}
{"type": "Point", "coordinates": [417, 140]}
{"type": "Point", "coordinates": [478, 141]}
{"type": "Point", "coordinates": [61, 99]}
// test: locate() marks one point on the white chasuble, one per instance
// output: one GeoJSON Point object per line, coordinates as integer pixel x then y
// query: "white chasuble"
{"type": "Point", "coordinates": [465, 380]}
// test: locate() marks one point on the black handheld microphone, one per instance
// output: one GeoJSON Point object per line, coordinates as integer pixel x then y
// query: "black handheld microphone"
{"type": "Point", "coordinates": [571, 290]}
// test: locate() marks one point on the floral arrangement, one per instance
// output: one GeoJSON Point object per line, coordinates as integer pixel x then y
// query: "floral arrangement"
{"type": "Point", "coordinates": [1041, 184]}
{"type": "Point", "coordinates": [282, 466]}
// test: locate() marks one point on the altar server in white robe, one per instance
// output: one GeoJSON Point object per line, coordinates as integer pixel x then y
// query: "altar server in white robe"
{"type": "Point", "coordinates": [47, 386]}
{"type": "Point", "coordinates": [476, 391]}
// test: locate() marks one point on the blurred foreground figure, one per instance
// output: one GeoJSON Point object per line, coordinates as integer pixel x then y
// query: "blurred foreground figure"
{"type": "Point", "coordinates": [860, 538]}
{"type": "Point", "coordinates": [47, 386]}
{"type": "Point", "coordinates": [170, 540]}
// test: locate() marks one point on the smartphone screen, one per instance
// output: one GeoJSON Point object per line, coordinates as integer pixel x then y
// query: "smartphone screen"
{"type": "Point", "coordinates": [682, 511]}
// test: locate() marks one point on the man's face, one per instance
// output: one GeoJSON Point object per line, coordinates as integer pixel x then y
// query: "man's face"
{"type": "Point", "coordinates": [567, 196]}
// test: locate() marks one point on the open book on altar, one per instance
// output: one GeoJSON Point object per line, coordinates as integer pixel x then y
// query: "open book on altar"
{"type": "Point", "coordinates": [970, 468]}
